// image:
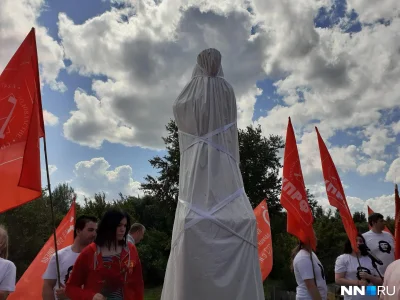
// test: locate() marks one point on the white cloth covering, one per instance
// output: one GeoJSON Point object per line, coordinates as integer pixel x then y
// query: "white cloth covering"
{"type": "Point", "coordinates": [214, 242]}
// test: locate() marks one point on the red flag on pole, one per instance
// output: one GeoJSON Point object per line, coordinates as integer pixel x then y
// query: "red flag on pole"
{"type": "Point", "coordinates": [21, 127]}
{"type": "Point", "coordinates": [31, 283]}
{"type": "Point", "coordinates": [335, 192]}
{"type": "Point", "coordinates": [370, 212]}
{"type": "Point", "coordinates": [264, 239]}
{"type": "Point", "coordinates": [397, 223]}
{"type": "Point", "coordinates": [294, 195]}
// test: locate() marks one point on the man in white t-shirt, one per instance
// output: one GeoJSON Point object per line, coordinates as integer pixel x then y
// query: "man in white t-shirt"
{"type": "Point", "coordinates": [304, 272]}
{"type": "Point", "coordinates": [380, 243]}
{"type": "Point", "coordinates": [84, 234]}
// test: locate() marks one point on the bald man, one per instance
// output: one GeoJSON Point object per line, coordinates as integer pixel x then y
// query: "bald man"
{"type": "Point", "coordinates": [136, 233]}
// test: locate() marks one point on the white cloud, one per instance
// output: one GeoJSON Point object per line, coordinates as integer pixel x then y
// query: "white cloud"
{"type": "Point", "coordinates": [95, 176]}
{"type": "Point", "coordinates": [320, 74]}
{"type": "Point", "coordinates": [149, 59]}
{"type": "Point", "coordinates": [92, 123]}
{"type": "Point", "coordinates": [16, 20]}
{"type": "Point", "coordinates": [383, 204]}
{"type": "Point", "coordinates": [49, 118]}
{"type": "Point", "coordinates": [324, 80]}
{"type": "Point", "coordinates": [378, 139]}
{"type": "Point", "coordinates": [396, 127]}
{"type": "Point", "coordinates": [371, 166]}
{"type": "Point", "coordinates": [372, 11]}
{"type": "Point", "coordinates": [52, 169]}
{"type": "Point", "coordinates": [393, 174]}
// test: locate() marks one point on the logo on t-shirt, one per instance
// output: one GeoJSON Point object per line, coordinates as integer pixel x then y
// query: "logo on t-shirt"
{"type": "Point", "coordinates": [385, 247]}
{"type": "Point", "coordinates": [68, 272]}
{"type": "Point", "coordinates": [363, 269]}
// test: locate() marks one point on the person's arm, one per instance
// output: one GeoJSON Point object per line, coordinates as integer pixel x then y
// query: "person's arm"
{"type": "Point", "coordinates": [3, 295]}
{"type": "Point", "coordinates": [8, 284]}
{"type": "Point", "coordinates": [340, 280]}
{"type": "Point", "coordinates": [77, 278]}
{"type": "Point", "coordinates": [312, 289]}
{"type": "Point", "coordinates": [49, 279]}
{"type": "Point", "coordinates": [48, 289]}
{"type": "Point", "coordinates": [375, 280]}
{"type": "Point", "coordinates": [306, 271]}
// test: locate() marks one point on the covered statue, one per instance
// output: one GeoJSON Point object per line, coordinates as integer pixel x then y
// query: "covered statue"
{"type": "Point", "coordinates": [214, 241]}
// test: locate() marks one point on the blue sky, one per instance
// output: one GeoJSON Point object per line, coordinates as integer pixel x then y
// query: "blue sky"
{"type": "Point", "coordinates": [120, 65]}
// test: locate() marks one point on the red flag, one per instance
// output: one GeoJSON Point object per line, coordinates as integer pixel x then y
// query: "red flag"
{"type": "Point", "coordinates": [397, 223]}
{"type": "Point", "coordinates": [370, 212]}
{"type": "Point", "coordinates": [335, 192]}
{"type": "Point", "coordinates": [21, 127]}
{"type": "Point", "coordinates": [264, 239]}
{"type": "Point", "coordinates": [294, 195]}
{"type": "Point", "coordinates": [31, 283]}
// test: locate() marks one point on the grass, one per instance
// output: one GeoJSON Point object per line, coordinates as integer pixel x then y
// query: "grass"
{"type": "Point", "coordinates": [153, 293]}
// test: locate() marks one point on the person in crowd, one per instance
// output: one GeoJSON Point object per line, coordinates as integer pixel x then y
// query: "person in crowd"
{"type": "Point", "coordinates": [309, 274]}
{"type": "Point", "coordinates": [84, 234]}
{"type": "Point", "coordinates": [380, 243]}
{"type": "Point", "coordinates": [136, 233]}
{"type": "Point", "coordinates": [110, 267]}
{"type": "Point", "coordinates": [8, 270]}
{"type": "Point", "coordinates": [392, 281]}
{"type": "Point", "coordinates": [355, 269]}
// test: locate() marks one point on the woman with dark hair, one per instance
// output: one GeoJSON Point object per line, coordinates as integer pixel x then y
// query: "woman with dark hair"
{"type": "Point", "coordinates": [110, 267]}
{"type": "Point", "coordinates": [309, 273]}
{"type": "Point", "coordinates": [355, 269]}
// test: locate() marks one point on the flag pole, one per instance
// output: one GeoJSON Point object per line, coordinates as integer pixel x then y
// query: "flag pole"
{"type": "Point", "coordinates": [47, 164]}
{"type": "Point", "coordinates": [52, 211]}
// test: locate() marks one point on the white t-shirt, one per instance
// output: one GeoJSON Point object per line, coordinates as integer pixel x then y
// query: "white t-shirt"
{"type": "Point", "coordinates": [382, 246]}
{"type": "Point", "coordinates": [66, 259]}
{"type": "Point", "coordinates": [303, 269]}
{"type": "Point", "coordinates": [8, 273]}
{"type": "Point", "coordinates": [349, 264]}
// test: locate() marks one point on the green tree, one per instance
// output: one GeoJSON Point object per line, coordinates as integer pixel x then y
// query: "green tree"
{"type": "Point", "coordinates": [331, 238]}
{"type": "Point", "coordinates": [95, 207]}
{"type": "Point", "coordinates": [317, 209]}
{"type": "Point", "coordinates": [360, 221]}
{"type": "Point", "coordinates": [359, 217]}
{"type": "Point", "coordinates": [259, 165]}
{"type": "Point", "coordinates": [63, 195]}
{"type": "Point", "coordinates": [165, 187]}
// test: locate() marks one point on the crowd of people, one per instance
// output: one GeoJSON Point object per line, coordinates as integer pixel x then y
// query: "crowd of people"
{"type": "Point", "coordinates": [103, 263]}
{"type": "Point", "coordinates": [352, 268]}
